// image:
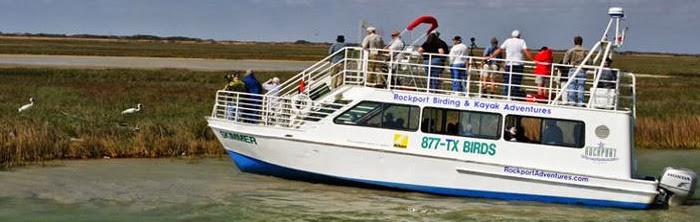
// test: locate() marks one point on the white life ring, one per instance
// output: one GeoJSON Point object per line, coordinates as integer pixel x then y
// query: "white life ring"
{"type": "Point", "coordinates": [301, 104]}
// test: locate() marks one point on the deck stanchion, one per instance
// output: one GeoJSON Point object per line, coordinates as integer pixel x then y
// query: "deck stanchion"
{"type": "Point", "coordinates": [469, 71]}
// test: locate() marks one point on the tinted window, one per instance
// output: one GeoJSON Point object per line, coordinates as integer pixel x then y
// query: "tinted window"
{"type": "Point", "coordinates": [381, 115]}
{"type": "Point", "coordinates": [548, 131]}
{"type": "Point", "coordinates": [461, 123]}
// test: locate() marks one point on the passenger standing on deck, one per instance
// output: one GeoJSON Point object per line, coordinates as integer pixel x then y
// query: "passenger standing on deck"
{"type": "Point", "coordinates": [514, 47]}
{"type": "Point", "coordinates": [608, 77]}
{"type": "Point", "coordinates": [337, 67]}
{"type": "Point", "coordinates": [234, 85]}
{"type": "Point", "coordinates": [542, 71]}
{"type": "Point", "coordinates": [272, 86]}
{"type": "Point", "coordinates": [490, 67]}
{"type": "Point", "coordinates": [433, 44]}
{"type": "Point", "coordinates": [372, 42]}
{"type": "Point", "coordinates": [574, 57]}
{"type": "Point", "coordinates": [458, 61]}
{"type": "Point", "coordinates": [396, 45]}
{"type": "Point", "coordinates": [606, 93]}
{"type": "Point", "coordinates": [253, 102]}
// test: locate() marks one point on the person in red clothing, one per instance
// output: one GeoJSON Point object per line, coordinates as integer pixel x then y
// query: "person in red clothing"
{"type": "Point", "coordinates": [543, 69]}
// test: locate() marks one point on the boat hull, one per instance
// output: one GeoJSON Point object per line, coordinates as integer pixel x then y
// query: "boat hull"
{"type": "Point", "coordinates": [300, 159]}
{"type": "Point", "coordinates": [252, 165]}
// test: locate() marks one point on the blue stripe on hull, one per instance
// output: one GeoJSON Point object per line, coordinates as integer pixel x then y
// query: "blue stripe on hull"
{"type": "Point", "coordinates": [251, 165]}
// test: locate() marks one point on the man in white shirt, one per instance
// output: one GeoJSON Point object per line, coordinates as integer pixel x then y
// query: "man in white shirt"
{"type": "Point", "coordinates": [372, 42]}
{"type": "Point", "coordinates": [514, 47]}
{"type": "Point", "coordinates": [458, 61]}
{"type": "Point", "coordinates": [272, 86]}
{"type": "Point", "coordinates": [396, 46]}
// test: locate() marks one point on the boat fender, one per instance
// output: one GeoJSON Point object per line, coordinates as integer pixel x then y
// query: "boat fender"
{"type": "Point", "coordinates": [301, 104]}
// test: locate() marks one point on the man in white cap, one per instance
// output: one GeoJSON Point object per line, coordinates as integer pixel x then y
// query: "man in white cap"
{"type": "Point", "coordinates": [372, 42]}
{"type": "Point", "coordinates": [458, 60]}
{"type": "Point", "coordinates": [272, 86]}
{"type": "Point", "coordinates": [515, 47]}
{"type": "Point", "coordinates": [273, 104]}
{"type": "Point", "coordinates": [396, 46]}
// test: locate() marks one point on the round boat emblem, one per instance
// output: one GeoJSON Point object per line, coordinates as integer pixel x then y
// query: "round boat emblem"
{"type": "Point", "coordinates": [602, 131]}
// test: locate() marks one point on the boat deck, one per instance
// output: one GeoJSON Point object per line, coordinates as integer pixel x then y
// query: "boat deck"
{"type": "Point", "coordinates": [314, 93]}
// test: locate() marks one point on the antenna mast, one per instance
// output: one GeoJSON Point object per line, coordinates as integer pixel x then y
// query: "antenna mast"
{"type": "Point", "coordinates": [616, 14]}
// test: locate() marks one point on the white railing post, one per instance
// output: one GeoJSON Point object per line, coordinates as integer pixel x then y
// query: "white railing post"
{"type": "Point", "coordinates": [345, 67]}
{"type": "Point", "coordinates": [617, 89]}
{"type": "Point", "coordinates": [237, 111]}
{"type": "Point", "coordinates": [365, 64]}
{"type": "Point", "coordinates": [596, 77]}
{"type": "Point", "coordinates": [551, 82]}
{"type": "Point", "coordinates": [430, 78]}
{"type": "Point", "coordinates": [390, 69]}
{"type": "Point", "coordinates": [510, 82]}
{"type": "Point", "coordinates": [469, 71]}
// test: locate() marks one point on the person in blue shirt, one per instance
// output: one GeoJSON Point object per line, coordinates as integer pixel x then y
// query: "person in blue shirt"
{"type": "Point", "coordinates": [552, 133]}
{"type": "Point", "coordinates": [489, 68]}
{"type": "Point", "coordinates": [339, 44]}
{"type": "Point", "coordinates": [252, 102]}
{"type": "Point", "coordinates": [251, 83]}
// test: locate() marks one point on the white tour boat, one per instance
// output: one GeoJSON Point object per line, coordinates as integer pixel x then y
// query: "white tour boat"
{"type": "Point", "coordinates": [341, 127]}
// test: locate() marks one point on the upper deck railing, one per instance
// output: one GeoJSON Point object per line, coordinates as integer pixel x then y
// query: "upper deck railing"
{"type": "Point", "coordinates": [428, 73]}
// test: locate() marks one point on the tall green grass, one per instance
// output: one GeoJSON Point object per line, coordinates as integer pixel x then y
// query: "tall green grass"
{"type": "Point", "coordinates": [77, 113]}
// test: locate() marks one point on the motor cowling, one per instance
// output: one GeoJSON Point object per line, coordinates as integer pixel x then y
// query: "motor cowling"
{"type": "Point", "coordinates": [679, 183]}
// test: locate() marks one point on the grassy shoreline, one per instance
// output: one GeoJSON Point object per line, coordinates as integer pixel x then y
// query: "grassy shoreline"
{"type": "Point", "coordinates": [654, 63]}
{"type": "Point", "coordinates": [137, 48]}
{"type": "Point", "coordinates": [77, 113]}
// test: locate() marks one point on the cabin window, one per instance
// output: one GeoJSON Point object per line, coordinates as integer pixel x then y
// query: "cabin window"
{"type": "Point", "coordinates": [381, 115]}
{"type": "Point", "coordinates": [461, 123]}
{"type": "Point", "coordinates": [548, 131]}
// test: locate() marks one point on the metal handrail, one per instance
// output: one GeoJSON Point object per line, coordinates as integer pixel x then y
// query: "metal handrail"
{"type": "Point", "coordinates": [411, 74]}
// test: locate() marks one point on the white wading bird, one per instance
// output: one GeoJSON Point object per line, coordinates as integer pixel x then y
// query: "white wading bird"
{"type": "Point", "coordinates": [132, 110]}
{"type": "Point", "coordinates": [27, 106]}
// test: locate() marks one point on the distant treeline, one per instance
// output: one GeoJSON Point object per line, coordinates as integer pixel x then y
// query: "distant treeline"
{"type": "Point", "coordinates": [91, 36]}
{"type": "Point", "coordinates": [138, 37]}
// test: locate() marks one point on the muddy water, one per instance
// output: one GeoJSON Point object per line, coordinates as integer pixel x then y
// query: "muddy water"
{"type": "Point", "coordinates": [214, 190]}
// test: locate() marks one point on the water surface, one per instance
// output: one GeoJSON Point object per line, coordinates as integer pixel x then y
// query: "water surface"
{"type": "Point", "coordinates": [214, 190]}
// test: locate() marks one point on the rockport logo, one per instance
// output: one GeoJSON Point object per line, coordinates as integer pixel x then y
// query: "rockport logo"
{"type": "Point", "coordinates": [600, 153]}
{"type": "Point", "coordinates": [679, 176]}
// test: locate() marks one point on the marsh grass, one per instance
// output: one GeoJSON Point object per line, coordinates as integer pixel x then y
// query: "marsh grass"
{"type": "Point", "coordinates": [210, 50]}
{"type": "Point", "coordinates": [77, 113]}
{"type": "Point", "coordinates": [669, 133]}
{"type": "Point", "coordinates": [668, 112]}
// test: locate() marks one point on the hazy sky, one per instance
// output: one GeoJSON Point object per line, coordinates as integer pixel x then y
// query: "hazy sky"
{"type": "Point", "coordinates": [659, 26]}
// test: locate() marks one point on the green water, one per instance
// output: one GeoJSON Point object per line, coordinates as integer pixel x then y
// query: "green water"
{"type": "Point", "coordinates": [213, 190]}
